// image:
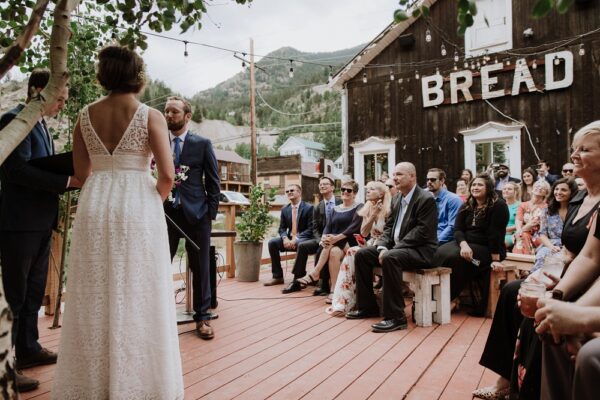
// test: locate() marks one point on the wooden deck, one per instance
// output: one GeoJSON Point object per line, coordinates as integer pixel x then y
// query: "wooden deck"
{"type": "Point", "coordinates": [275, 346]}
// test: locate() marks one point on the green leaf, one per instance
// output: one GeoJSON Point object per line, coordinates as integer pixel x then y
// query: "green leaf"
{"type": "Point", "coordinates": [461, 30]}
{"type": "Point", "coordinates": [400, 15]}
{"type": "Point", "coordinates": [425, 11]}
{"type": "Point", "coordinates": [469, 20]}
{"type": "Point", "coordinates": [463, 5]}
{"type": "Point", "coordinates": [472, 7]}
{"type": "Point", "coordinates": [541, 8]}
{"type": "Point", "coordinates": [416, 13]}
{"type": "Point", "coordinates": [562, 6]}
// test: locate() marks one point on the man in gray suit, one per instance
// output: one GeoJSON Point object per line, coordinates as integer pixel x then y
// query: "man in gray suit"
{"type": "Point", "coordinates": [408, 242]}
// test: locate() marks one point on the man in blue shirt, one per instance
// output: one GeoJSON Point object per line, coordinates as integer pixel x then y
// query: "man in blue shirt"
{"type": "Point", "coordinates": [447, 204]}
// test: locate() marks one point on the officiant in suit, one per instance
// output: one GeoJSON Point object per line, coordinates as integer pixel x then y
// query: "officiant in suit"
{"type": "Point", "coordinates": [194, 206]}
{"type": "Point", "coordinates": [409, 241]}
{"type": "Point", "coordinates": [295, 227]}
{"type": "Point", "coordinates": [28, 213]}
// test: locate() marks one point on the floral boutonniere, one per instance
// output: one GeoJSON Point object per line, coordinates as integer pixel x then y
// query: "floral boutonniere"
{"type": "Point", "coordinates": [180, 177]}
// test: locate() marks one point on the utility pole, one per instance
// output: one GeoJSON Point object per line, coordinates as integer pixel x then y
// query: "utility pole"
{"type": "Point", "coordinates": [252, 116]}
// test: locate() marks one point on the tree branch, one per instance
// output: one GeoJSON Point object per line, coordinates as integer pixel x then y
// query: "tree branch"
{"type": "Point", "coordinates": [14, 52]}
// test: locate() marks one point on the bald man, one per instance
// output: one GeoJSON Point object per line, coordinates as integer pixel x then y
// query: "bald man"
{"type": "Point", "coordinates": [408, 242]}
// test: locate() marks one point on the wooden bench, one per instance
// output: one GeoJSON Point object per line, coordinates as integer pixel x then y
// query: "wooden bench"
{"type": "Point", "coordinates": [513, 265]}
{"type": "Point", "coordinates": [432, 294]}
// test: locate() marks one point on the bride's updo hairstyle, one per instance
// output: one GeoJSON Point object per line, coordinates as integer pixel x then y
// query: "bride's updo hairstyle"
{"type": "Point", "coordinates": [120, 70]}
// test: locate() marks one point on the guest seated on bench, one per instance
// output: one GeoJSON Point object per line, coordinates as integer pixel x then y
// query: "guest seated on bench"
{"type": "Point", "coordinates": [511, 195]}
{"type": "Point", "coordinates": [374, 214]}
{"type": "Point", "coordinates": [295, 227]}
{"type": "Point", "coordinates": [528, 219]}
{"type": "Point", "coordinates": [479, 242]}
{"type": "Point", "coordinates": [408, 242]}
{"type": "Point", "coordinates": [338, 235]}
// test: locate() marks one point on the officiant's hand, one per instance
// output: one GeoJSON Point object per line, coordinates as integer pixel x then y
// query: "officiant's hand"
{"type": "Point", "coordinates": [74, 182]}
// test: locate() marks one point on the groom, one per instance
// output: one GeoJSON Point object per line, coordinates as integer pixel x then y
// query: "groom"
{"type": "Point", "coordinates": [194, 206]}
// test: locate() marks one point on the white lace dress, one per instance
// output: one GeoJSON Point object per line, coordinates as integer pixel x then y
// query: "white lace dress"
{"type": "Point", "coordinates": [119, 336]}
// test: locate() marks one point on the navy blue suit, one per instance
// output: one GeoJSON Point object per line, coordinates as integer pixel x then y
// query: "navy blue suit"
{"type": "Point", "coordinates": [304, 232]}
{"type": "Point", "coordinates": [28, 212]}
{"type": "Point", "coordinates": [199, 203]}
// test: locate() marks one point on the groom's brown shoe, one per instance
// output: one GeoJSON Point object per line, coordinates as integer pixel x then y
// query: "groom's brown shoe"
{"type": "Point", "coordinates": [43, 357]}
{"type": "Point", "coordinates": [205, 331]}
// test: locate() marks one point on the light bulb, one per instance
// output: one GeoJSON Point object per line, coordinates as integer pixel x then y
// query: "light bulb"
{"type": "Point", "coordinates": [437, 71]}
{"type": "Point", "coordinates": [291, 69]}
{"type": "Point", "coordinates": [364, 77]}
{"type": "Point", "coordinates": [472, 65]}
{"type": "Point", "coordinates": [443, 50]}
{"type": "Point", "coordinates": [556, 60]}
{"type": "Point", "coordinates": [496, 60]}
{"type": "Point", "coordinates": [185, 56]}
{"type": "Point", "coordinates": [455, 67]}
{"type": "Point", "coordinates": [466, 64]}
{"type": "Point", "coordinates": [417, 76]}
{"type": "Point", "coordinates": [508, 62]}
{"type": "Point", "coordinates": [455, 56]}
{"type": "Point", "coordinates": [534, 64]}
{"type": "Point", "coordinates": [428, 36]}
{"type": "Point", "coordinates": [478, 64]}
{"type": "Point", "coordinates": [400, 80]}
{"type": "Point", "coordinates": [392, 75]}
{"type": "Point", "coordinates": [581, 50]}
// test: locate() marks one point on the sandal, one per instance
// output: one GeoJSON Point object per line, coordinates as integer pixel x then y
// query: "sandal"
{"type": "Point", "coordinates": [307, 280]}
{"type": "Point", "coordinates": [335, 313]}
{"type": "Point", "coordinates": [329, 299]}
{"type": "Point", "coordinates": [491, 393]}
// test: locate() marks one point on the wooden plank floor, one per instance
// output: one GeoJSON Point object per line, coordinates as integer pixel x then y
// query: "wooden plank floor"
{"type": "Point", "coordinates": [274, 346]}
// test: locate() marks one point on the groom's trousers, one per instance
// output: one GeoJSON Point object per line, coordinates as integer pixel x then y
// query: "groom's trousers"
{"type": "Point", "coordinates": [198, 261]}
{"type": "Point", "coordinates": [24, 257]}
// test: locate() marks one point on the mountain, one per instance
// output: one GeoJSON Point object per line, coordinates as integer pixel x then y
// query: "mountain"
{"type": "Point", "coordinates": [303, 99]}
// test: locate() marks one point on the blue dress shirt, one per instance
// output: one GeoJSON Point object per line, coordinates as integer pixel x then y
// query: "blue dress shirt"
{"type": "Point", "coordinates": [447, 204]}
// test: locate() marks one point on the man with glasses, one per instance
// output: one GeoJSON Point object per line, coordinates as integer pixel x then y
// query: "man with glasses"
{"type": "Point", "coordinates": [295, 226]}
{"type": "Point", "coordinates": [567, 170]}
{"type": "Point", "coordinates": [502, 175]}
{"type": "Point", "coordinates": [408, 242]}
{"type": "Point", "coordinates": [447, 204]}
{"type": "Point", "coordinates": [307, 247]}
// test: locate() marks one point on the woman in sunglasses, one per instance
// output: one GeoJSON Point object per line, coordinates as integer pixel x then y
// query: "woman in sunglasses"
{"type": "Point", "coordinates": [338, 234]}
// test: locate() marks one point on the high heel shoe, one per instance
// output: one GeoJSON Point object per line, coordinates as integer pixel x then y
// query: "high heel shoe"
{"type": "Point", "coordinates": [307, 280]}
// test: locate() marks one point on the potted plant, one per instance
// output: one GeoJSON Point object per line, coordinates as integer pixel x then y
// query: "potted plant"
{"type": "Point", "coordinates": [252, 228]}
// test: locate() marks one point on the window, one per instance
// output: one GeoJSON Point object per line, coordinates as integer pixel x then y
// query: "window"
{"type": "Point", "coordinates": [372, 156]}
{"type": "Point", "coordinates": [492, 28]}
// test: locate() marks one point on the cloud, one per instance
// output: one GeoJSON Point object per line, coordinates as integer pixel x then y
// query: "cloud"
{"type": "Point", "coordinates": [307, 25]}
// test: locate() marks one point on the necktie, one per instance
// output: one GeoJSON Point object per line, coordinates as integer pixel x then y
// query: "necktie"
{"type": "Point", "coordinates": [177, 151]}
{"type": "Point", "coordinates": [294, 221]}
{"type": "Point", "coordinates": [328, 209]}
{"type": "Point", "coordinates": [48, 138]}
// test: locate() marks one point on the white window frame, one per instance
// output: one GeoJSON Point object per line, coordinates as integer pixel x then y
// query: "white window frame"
{"type": "Point", "coordinates": [494, 48]}
{"type": "Point", "coordinates": [371, 145]}
{"type": "Point", "coordinates": [492, 132]}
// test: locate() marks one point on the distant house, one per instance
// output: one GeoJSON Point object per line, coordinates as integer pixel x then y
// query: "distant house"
{"type": "Point", "coordinates": [280, 171]}
{"type": "Point", "coordinates": [309, 151]}
{"type": "Point", "coordinates": [234, 171]}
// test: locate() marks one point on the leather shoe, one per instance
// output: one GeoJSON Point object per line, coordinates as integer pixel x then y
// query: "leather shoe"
{"type": "Point", "coordinates": [389, 325]}
{"type": "Point", "coordinates": [42, 357]}
{"type": "Point", "coordinates": [294, 286]}
{"type": "Point", "coordinates": [361, 314]}
{"type": "Point", "coordinates": [204, 330]}
{"type": "Point", "coordinates": [320, 292]}
{"type": "Point", "coordinates": [25, 383]}
{"type": "Point", "coordinates": [273, 282]}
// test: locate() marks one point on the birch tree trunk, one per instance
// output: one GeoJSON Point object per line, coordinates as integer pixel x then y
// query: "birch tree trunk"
{"type": "Point", "coordinates": [15, 132]}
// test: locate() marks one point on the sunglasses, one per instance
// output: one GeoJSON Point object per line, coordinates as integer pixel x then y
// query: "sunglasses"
{"type": "Point", "coordinates": [290, 191]}
{"type": "Point", "coordinates": [347, 190]}
{"type": "Point", "coordinates": [567, 170]}
{"type": "Point", "coordinates": [432, 179]}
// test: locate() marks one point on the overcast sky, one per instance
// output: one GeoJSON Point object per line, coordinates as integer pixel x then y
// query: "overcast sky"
{"type": "Point", "coordinates": [307, 25]}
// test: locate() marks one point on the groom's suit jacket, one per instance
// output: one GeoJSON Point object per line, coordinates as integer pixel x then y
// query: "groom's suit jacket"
{"type": "Point", "coordinates": [199, 194]}
{"type": "Point", "coordinates": [29, 199]}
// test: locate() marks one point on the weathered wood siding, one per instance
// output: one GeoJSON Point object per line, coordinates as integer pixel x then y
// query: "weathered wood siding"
{"type": "Point", "coordinates": [386, 108]}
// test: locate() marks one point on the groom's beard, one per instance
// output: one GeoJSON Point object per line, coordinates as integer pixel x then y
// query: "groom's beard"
{"type": "Point", "coordinates": [175, 126]}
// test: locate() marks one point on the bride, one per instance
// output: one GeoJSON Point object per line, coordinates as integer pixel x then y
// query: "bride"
{"type": "Point", "coordinates": [119, 337]}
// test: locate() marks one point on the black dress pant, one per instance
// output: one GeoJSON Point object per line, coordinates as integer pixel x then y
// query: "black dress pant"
{"type": "Point", "coordinates": [198, 261]}
{"type": "Point", "coordinates": [394, 262]}
{"type": "Point", "coordinates": [24, 257]}
{"type": "Point", "coordinates": [303, 250]}
{"type": "Point", "coordinates": [465, 273]}
{"type": "Point", "coordinates": [500, 345]}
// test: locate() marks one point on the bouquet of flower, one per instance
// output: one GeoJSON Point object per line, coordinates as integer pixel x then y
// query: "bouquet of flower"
{"type": "Point", "coordinates": [180, 177]}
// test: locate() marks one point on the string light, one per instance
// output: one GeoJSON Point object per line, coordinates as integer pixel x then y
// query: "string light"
{"type": "Point", "coordinates": [400, 80]}
{"type": "Point", "coordinates": [437, 71]}
{"type": "Point", "coordinates": [581, 50]}
{"type": "Point", "coordinates": [185, 52]}
{"type": "Point", "coordinates": [455, 56]}
{"type": "Point", "coordinates": [330, 74]}
{"type": "Point", "coordinates": [443, 50]}
{"type": "Point", "coordinates": [291, 69]}
{"type": "Point", "coordinates": [508, 61]}
{"type": "Point", "coordinates": [364, 77]}
{"type": "Point", "coordinates": [428, 35]}
{"type": "Point", "coordinates": [496, 60]}
{"type": "Point", "coordinates": [392, 75]}
{"type": "Point", "coordinates": [466, 64]}
{"type": "Point", "coordinates": [244, 61]}
{"type": "Point", "coordinates": [478, 64]}
{"type": "Point", "coordinates": [417, 76]}
{"type": "Point", "coordinates": [534, 64]}
{"type": "Point", "coordinates": [556, 60]}
{"type": "Point", "coordinates": [472, 64]}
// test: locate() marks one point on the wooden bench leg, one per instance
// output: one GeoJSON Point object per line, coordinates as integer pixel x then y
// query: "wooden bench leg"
{"type": "Point", "coordinates": [497, 280]}
{"type": "Point", "coordinates": [441, 295]}
{"type": "Point", "coordinates": [423, 299]}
